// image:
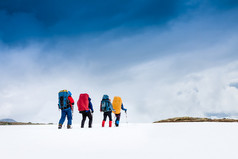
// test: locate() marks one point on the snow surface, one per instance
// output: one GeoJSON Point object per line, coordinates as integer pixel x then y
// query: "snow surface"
{"type": "Point", "coordinates": [160, 141]}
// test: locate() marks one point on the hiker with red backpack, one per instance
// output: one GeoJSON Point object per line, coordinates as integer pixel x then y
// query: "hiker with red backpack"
{"type": "Point", "coordinates": [106, 108]}
{"type": "Point", "coordinates": [118, 106]}
{"type": "Point", "coordinates": [66, 103]}
{"type": "Point", "coordinates": [84, 107]}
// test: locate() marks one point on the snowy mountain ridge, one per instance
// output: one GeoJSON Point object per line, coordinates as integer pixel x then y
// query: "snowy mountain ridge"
{"type": "Point", "coordinates": [8, 120]}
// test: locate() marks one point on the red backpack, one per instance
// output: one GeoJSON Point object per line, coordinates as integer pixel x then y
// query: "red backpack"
{"type": "Point", "coordinates": [83, 102]}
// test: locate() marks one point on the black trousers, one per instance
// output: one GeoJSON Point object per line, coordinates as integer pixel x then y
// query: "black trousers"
{"type": "Point", "coordinates": [118, 116]}
{"type": "Point", "coordinates": [107, 114]}
{"type": "Point", "coordinates": [90, 117]}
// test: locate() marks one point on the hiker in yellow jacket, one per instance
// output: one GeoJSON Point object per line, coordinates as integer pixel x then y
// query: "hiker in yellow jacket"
{"type": "Point", "coordinates": [117, 106]}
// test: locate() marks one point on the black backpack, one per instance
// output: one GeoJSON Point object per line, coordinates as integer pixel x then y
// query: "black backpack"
{"type": "Point", "coordinates": [63, 99]}
{"type": "Point", "coordinates": [106, 105]}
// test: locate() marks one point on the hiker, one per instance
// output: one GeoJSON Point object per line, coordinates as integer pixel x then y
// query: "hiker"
{"type": "Point", "coordinates": [117, 106]}
{"type": "Point", "coordinates": [84, 107]}
{"type": "Point", "coordinates": [66, 103]}
{"type": "Point", "coordinates": [106, 108]}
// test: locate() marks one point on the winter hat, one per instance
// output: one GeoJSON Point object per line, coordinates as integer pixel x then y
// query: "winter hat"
{"type": "Point", "coordinates": [105, 97]}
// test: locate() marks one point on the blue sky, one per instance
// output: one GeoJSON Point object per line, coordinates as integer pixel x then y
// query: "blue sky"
{"type": "Point", "coordinates": [164, 58]}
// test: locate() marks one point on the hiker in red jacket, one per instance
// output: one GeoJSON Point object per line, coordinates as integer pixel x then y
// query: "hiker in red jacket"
{"type": "Point", "coordinates": [84, 107]}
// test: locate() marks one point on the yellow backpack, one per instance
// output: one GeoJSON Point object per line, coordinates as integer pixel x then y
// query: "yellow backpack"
{"type": "Point", "coordinates": [116, 104]}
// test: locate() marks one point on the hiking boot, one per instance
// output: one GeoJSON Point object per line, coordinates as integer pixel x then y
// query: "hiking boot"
{"type": "Point", "coordinates": [110, 123]}
{"type": "Point", "coordinates": [103, 123]}
{"type": "Point", "coordinates": [117, 123]}
{"type": "Point", "coordinates": [60, 126]}
{"type": "Point", "coordinates": [69, 127]}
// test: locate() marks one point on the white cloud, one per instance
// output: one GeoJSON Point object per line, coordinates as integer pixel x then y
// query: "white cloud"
{"type": "Point", "coordinates": [162, 95]}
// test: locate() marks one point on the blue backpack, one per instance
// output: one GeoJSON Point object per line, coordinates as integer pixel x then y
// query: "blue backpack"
{"type": "Point", "coordinates": [63, 99]}
{"type": "Point", "coordinates": [106, 104]}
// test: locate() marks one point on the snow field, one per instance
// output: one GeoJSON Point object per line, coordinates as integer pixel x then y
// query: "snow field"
{"type": "Point", "coordinates": [165, 141]}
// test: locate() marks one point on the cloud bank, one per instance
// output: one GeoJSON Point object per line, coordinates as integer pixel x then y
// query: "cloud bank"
{"type": "Point", "coordinates": [165, 59]}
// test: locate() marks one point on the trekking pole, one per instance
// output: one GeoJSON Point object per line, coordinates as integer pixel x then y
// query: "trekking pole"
{"type": "Point", "coordinates": [126, 117]}
{"type": "Point", "coordinates": [72, 110]}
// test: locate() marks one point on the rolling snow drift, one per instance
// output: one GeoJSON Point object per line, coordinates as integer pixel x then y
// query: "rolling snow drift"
{"type": "Point", "coordinates": [154, 141]}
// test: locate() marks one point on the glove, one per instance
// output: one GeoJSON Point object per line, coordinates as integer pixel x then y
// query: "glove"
{"type": "Point", "coordinates": [92, 111]}
{"type": "Point", "coordinates": [125, 110]}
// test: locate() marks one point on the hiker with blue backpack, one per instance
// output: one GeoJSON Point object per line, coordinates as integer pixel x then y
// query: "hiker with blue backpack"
{"type": "Point", "coordinates": [106, 108]}
{"type": "Point", "coordinates": [65, 103]}
{"type": "Point", "coordinates": [118, 106]}
{"type": "Point", "coordinates": [85, 107]}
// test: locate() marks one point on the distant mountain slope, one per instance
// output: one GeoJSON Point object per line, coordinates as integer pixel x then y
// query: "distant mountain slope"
{"type": "Point", "coordinates": [8, 120]}
{"type": "Point", "coordinates": [13, 122]}
{"type": "Point", "coordinates": [192, 119]}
